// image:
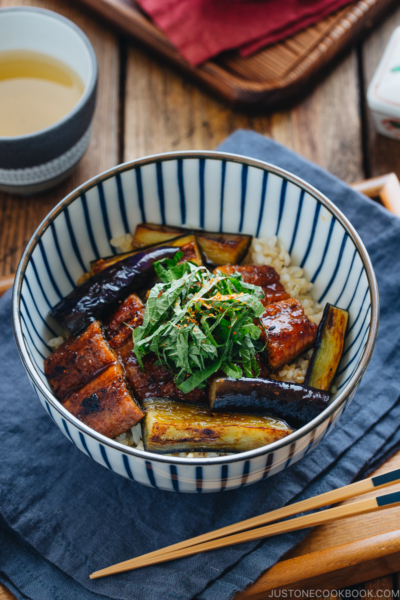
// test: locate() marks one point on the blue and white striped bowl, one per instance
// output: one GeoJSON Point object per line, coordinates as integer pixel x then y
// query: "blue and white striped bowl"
{"type": "Point", "coordinates": [219, 192]}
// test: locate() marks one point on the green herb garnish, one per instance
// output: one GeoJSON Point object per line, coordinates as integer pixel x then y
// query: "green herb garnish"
{"type": "Point", "coordinates": [197, 323]}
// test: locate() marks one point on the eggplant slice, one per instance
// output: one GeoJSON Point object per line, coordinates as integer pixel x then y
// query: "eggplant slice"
{"type": "Point", "coordinates": [328, 348]}
{"type": "Point", "coordinates": [218, 248]}
{"type": "Point", "coordinates": [98, 295]}
{"type": "Point", "coordinates": [296, 404]}
{"type": "Point", "coordinates": [170, 426]}
{"type": "Point", "coordinates": [186, 244]}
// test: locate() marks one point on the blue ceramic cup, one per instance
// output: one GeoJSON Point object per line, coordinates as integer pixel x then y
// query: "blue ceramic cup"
{"type": "Point", "coordinates": [37, 161]}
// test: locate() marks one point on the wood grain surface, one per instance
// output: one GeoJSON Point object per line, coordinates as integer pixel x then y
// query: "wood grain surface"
{"type": "Point", "coordinates": [145, 107]}
{"type": "Point", "coordinates": [164, 112]}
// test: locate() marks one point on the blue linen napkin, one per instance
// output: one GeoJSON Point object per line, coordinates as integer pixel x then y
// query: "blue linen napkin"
{"type": "Point", "coordinates": [65, 516]}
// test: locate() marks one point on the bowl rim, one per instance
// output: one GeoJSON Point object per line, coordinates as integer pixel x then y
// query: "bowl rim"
{"type": "Point", "coordinates": [89, 86]}
{"type": "Point", "coordinates": [348, 389]}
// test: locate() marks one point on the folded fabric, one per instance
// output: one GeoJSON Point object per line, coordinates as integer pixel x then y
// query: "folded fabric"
{"type": "Point", "coordinates": [201, 29]}
{"type": "Point", "coordinates": [66, 516]}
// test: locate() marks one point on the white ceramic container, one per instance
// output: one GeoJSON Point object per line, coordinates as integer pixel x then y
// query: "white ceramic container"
{"type": "Point", "coordinates": [37, 161]}
{"type": "Point", "coordinates": [383, 94]}
{"type": "Point", "coordinates": [219, 192]}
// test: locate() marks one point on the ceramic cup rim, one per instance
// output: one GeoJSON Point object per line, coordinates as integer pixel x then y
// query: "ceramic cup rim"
{"type": "Point", "coordinates": [242, 456]}
{"type": "Point", "coordinates": [89, 86]}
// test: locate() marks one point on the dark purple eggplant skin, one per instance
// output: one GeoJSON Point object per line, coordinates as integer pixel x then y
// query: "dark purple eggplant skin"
{"type": "Point", "coordinates": [92, 299]}
{"type": "Point", "coordinates": [294, 403]}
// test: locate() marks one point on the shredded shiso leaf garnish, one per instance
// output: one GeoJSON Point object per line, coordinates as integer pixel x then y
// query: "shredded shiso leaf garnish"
{"type": "Point", "coordinates": [198, 323]}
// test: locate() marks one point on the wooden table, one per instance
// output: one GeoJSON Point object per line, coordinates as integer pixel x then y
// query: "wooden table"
{"type": "Point", "coordinates": [144, 107]}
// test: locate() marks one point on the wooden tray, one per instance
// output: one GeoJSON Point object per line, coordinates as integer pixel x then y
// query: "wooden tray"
{"type": "Point", "coordinates": [274, 75]}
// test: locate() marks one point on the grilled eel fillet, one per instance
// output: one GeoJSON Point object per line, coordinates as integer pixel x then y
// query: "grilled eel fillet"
{"type": "Point", "coordinates": [86, 377]}
{"type": "Point", "coordinates": [77, 361]}
{"type": "Point", "coordinates": [289, 330]}
{"type": "Point", "coordinates": [262, 275]}
{"type": "Point", "coordinates": [118, 328]}
{"type": "Point", "coordinates": [105, 404]}
{"type": "Point", "coordinates": [156, 381]}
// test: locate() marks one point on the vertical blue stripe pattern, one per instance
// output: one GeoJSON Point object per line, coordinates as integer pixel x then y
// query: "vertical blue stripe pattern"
{"type": "Point", "coordinates": [60, 255]}
{"type": "Point", "coordinates": [105, 457]}
{"type": "Point", "coordinates": [160, 188]}
{"type": "Point", "coordinates": [335, 272]}
{"type": "Point", "coordinates": [104, 212]}
{"type": "Point", "coordinates": [245, 474]}
{"type": "Point", "coordinates": [174, 477]}
{"type": "Point", "coordinates": [64, 422]}
{"type": "Point", "coordinates": [84, 444]}
{"type": "Point", "coordinates": [221, 204]}
{"type": "Point", "coordinates": [281, 205]}
{"type": "Point", "coordinates": [312, 236]}
{"type": "Point", "coordinates": [199, 479]}
{"type": "Point", "coordinates": [263, 206]}
{"type": "Point", "coordinates": [202, 166]}
{"type": "Point", "coordinates": [325, 252]}
{"type": "Point", "coordinates": [296, 225]}
{"type": "Point", "coordinates": [73, 239]}
{"type": "Point", "coordinates": [127, 467]}
{"type": "Point", "coordinates": [182, 199]}
{"type": "Point", "coordinates": [150, 474]}
{"type": "Point", "coordinates": [262, 202]}
{"type": "Point", "coordinates": [121, 201]}
{"type": "Point", "coordinates": [139, 187]}
{"type": "Point", "coordinates": [224, 477]}
{"type": "Point", "coordinates": [48, 270]}
{"type": "Point", "coordinates": [243, 196]}
{"type": "Point", "coordinates": [89, 227]}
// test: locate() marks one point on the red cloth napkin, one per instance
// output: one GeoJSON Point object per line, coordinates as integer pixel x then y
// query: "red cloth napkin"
{"type": "Point", "coordinates": [201, 29]}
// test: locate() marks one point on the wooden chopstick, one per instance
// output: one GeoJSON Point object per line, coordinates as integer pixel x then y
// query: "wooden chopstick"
{"type": "Point", "coordinates": [194, 545]}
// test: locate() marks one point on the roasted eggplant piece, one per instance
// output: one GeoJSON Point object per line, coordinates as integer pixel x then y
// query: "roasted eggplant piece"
{"type": "Point", "coordinates": [147, 234]}
{"type": "Point", "coordinates": [77, 361]}
{"type": "Point", "coordinates": [186, 244]}
{"type": "Point", "coordinates": [155, 380]}
{"type": "Point", "coordinates": [118, 327]}
{"type": "Point", "coordinates": [171, 426]}
{"type": "Point", "coordinates": [96, 296]}
{"type": "Point", "coordinates": [295, 404]}
{"type": "Point", "coordinates": [328, 348]}
{"type": "Point", "coordinates": [223, 248]}
{"type": "Point", "coordinates": [262, 275]}
{"type": "Point", "coordinates": [289, 332]}
{"type": "Point", "coordinates": [218, 248]}
{"type": "Point", "coordinates": [105, 404]}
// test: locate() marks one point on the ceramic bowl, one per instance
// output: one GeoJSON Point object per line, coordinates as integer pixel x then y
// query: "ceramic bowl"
{"type": "Point", "coordinates": [219, 192]}
{"type": "Point", "coordinates": [37, 161]}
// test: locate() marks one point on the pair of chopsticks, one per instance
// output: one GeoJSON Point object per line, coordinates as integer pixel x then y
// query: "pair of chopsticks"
{"type": "Point", "coordinates": [238, 534]}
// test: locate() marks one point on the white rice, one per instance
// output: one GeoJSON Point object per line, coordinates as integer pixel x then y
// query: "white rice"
{"type": "Point", "coordinates": [123, 243]}
{"type": "Point", "coordinates": [263, 251]}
